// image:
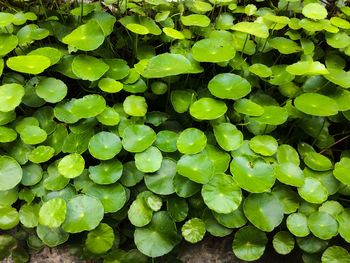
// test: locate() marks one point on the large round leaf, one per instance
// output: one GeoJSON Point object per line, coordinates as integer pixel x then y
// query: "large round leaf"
{"type": "Point", "coordinates": [265, 145]}
{"type": "Point", "coordinates": [297, 224]}
{"type": "Point", "coordinates": [316, 104]}
{"type": "Point", "coordinates": [149, 161]}
{"type": "Point", "coordinates": [289, 173]}
{"type": "Point", "coordinates": [10, 96]}
{"type": "Point", "coordinates": [198, 167]}
{"type": "Point", "coordinates": [335, 254]}
{"type": "Point", "coordinates": [88, 67]}
{"type": "Point", "coordinates": [228, 136]}
{"type": "Point", "coordinates": [166, 64]}
{"type": "Point", "coordinates": [263, 210]}
{"type": "Point", "coordinates": [229, 86]}
{"type": "Point", "coordinates": [249, 243]}
{"type": "Point", "coordinates": [248, 107]}
{"type": "Point", "coordinates": [71, 165]}
{"type": "Point", "coordinates": [30, 64]}
{"type": "Point", "coordinates": [112, 196]}
{"type": "Point", "coordinates": [208, 109]}
{"type": "Point", "coordinates": [53, 212]}
{"type": "Point", "coordinates": [107, 172]}
{"type": "Point", "coordinates": [104, 145]}
{"type": "Point", "coordinates": [283, 242]}
{"type": "Point", "coordinates": [161, 182]}
{"type": "Point", "coordinates": [254, 176]}
{"type": "Point", "coordinates": [191, 141]}
{"type": "Point", "coordinates": [221, 194]}
{"type": "Point", "coordinates": [135, 106]}
{"type": "Point", "coordinates": [51, 90]}
{"type": "Point", "coordinates": [193, 230]}
{"type": "Point", "coordinates": [137, 138]}
{"type": "Point", "coordinates": [100, 240]}
{"type": "Point", "coordinates": [159, 237]}
{"type": "Point", "coordinates": [88, 106]}
{"type": "Point", "coordinates": [323, 225]}
{"type": "Point", "coordinates": [10, 173]}
{"type": "Point", "coordinates": [213, 50]}
{"type": "Point", "coordinates": [84, 213]}
{"type": "Point", "coordinates": [86, 37]}
{"type": "Point", "coordinates": [344, 226]}
{"type": "Point", "coordinates": [313, 191]}
{"type": "Point", "coordinates": [341, 170]}
{"type": "Point", "coordinates": [314, 11]}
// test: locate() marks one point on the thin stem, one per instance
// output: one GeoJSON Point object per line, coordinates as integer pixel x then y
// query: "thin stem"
{"type": "Point", "coordinates": [81, 11]}
{"type": "Point", "coordinates": [339, 141]}
{"type": "Point", "coordinates": [319, 132]}
{"type": "Point", "coordinates": [245, 43]}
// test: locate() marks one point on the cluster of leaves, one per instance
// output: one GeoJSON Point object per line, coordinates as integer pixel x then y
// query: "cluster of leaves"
{"type": "Point", "coordinates": [127, 126]}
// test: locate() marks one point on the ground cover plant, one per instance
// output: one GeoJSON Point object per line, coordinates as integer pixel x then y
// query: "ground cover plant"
{"type": "Point", "coordinates": [130, 127]}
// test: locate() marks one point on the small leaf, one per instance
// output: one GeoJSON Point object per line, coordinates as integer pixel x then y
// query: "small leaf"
{"type": "Point", "coordinates": [193, 230]}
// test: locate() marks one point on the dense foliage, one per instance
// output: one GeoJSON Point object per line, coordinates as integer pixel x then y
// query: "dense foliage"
{"type": "Point", "coordinates": [128, 127]}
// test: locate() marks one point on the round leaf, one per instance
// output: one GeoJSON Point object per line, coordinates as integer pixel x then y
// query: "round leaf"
{"type": "Point", "coordinates": [51, 90]}
{"type": "Point", "coordinates": [191, 141]}
{"type": "Point", "coordinates": [193, 230]}
{"type": "Point", "coordinates": [229, 86]}
{"type": "Point", "coordinates": [316, 104]}
{"type": "Point", "coordinates": [322, 225]}
{"type": "Point", "coordinates": [53, 213]}
{"type": "Point", "coordinates": [100, 240]}
{"type": "Point", "coordinates": [104, 145]}
{"type": "Point", "coordinates": [30, 64]}
{"type": "Point", "coordinates": [221, 194]}
{"type": "Point", "coordinates": [208, 109]}
{"type": "Point", "coordinates": [10, 173]}
{"type": "Point", "coordinates": [84, 213]}
{"type": "Point", "coordinates": [88, 67]}
{"type": "Point", "coordinates": [71, 165]}
{"type": "Point", "coordinates": [263, 210]}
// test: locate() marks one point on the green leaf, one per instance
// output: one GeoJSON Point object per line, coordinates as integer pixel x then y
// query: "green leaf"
{"type": "Point", "coordinates": [139, 213]}
{"type": "Point", "coordinates": [88, 67]}
{"type": "Point", "coordinates": [228, 136]}
{"type": "Point", "coordinates": [297, 224]}
{"type": "Point", "coordinates": [248, 107]}
{"type": "Point", "coordinates": [107, 172]}
{"type": "Point", "coordinates": [313, 191]}
{"type": "Point", "coordinates": [8, 43]}
{"type": "Point", "coordinates": [28, 215]}
{"type": "Point", "coordinates": [341, 169]}
{"type": "Point", "coordinates": [29, 64]}
{"type": "Point", "coordinates": [87, 106]}
{"type": "Point", "coordinates": [100, 240]}
{"type": "Point", "coordinates": [9, 217]}
{"type": "Point", "coordinates": [193, 230]}
{"type": "Point", "coordinates": [10, 173]}
{"type": "Point", "coordinates": [260, 70]}
{"type": "Point", "coordinates": [249, 243]}
{"type": "Point", "coordinates": [283, 242]}
{"type": "Point", "coordinates": [51, 90]}
{"type": "Point", "coordinates": [322, 225]}
{"type": "Point", "coordinates": [254, 176]}
{"type": "Point", "coordinates": [307, 68]}
{"type": "Point", "coordinates": [318, 162]}
{"type": "Point", "coordinates": [104, 145]}
{"type": "Point", "coordinates": [86, 37]}
{"type": "Point", "coordinates": [191, 141]}
{"type": "Point", "coordinates": [71, 165]}
{"type": "Point", "coordinates": [208, 109]}
{"type": "Point", "coordinates": [195, 20]}
{"type": "Point", "coordinates": [52, 237]}
{"type": "Point", "coordinates": [159, 237]}
{"type": "Point", "coordinates": [229, 86]}
{"type": "Point", "coordinates": [263, 210]}
{"type": "Point", "coordinates": [221, 194]}
{"type": "Point", "coordinates": [265, 145]}
{"type": "Point", "coordinates": [316, 104]}
{"type": "Point", "coordinates": [166, 141]}
{"type": "Point", "coordinates": [135, 106]}
{"type": "Point", "coordinates": [165, 65]}
{"type": "Point", "coordinates": [110, 85]}
{"type": "Point", "coordinates": [149, 161]}
{"type": "Point", "coordinates": [53, 213]}
{"type": "Point", "coordinates": [84, 213]}
{"type": "Point", "coordinates": [10, 96]}
{"type": "Point", "coordinates": [335, 254]}
{"type": "Point", "coordinates": [344, 227]}
{"type": "Point", "coordinates": [289, 173]}
{"type": "Point", "coordinates": [112, 196]}
{"type": "Point", "coordinates": [137, 138]}
{"type": "Point", "coordinates": [315, 11]}
{"type": "Point", "coordinates": [213, 50]}
{"type": "Point", "coordinates": [284, 45]}
{"type": "Point", "coordinates": [198, 167]}
{"type": "Point", "coordinates": [235, 219]}
{"type": "Point", "coordinates": [252, 28]}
